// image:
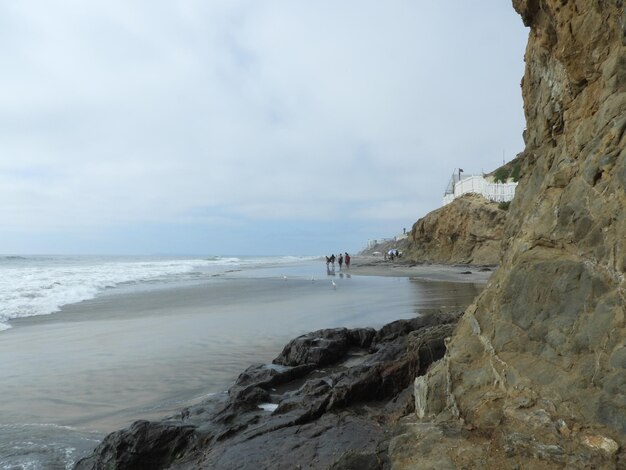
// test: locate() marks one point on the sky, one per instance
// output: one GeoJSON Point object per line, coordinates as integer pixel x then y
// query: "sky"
{"type": "Point", "coordinates": [258, 127]}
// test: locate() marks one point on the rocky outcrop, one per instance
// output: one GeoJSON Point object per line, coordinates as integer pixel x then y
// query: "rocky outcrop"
{"type": "Point", "coordinates": [469, 230]}
{"type": "Point", "coordinates": [329, 400]}
{"type": "Point", "coordinates": [535, 375]}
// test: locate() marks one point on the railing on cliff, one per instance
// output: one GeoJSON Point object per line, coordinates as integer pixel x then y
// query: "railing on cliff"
{"type": "Point", "coordinates": [498, 192]}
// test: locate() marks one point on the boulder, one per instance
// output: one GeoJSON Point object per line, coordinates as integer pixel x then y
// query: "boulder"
{"type": "Point", "coordinates": [145, 445]}
{"type": "Point", "coordinates": [323, 346]}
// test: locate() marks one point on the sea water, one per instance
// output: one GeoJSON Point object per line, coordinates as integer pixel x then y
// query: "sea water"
{"type": "Point", "coordinates": [91, 344]}
{"type": "Point", "coordinates": [41, 285]}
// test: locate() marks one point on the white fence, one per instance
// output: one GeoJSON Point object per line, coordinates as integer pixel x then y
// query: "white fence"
{"type": "Point", "coordinates": [498, 192]}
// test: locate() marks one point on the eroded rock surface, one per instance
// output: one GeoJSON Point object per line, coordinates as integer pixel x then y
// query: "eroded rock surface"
{"type": "Point", "coordinates": [535, 376]}
{"type": "Point", "coordinates": [330, 399]}
{"type": "Point", "coordinates": [469, 230]}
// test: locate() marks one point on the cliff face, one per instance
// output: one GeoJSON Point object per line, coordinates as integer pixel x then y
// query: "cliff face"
{"type": "Point", "coordinates": [537, 366]}
{"type": "Point", "coordinates": [468, 230]}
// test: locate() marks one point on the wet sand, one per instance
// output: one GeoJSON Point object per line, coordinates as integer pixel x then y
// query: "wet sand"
{"type": "Point", "coordinates": [377, 266]}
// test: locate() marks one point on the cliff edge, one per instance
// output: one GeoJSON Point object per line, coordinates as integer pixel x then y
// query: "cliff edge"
{"type": "Point", "coordinates": [535, 374]}
{"type": "Point", "coordinates": [469, 230]}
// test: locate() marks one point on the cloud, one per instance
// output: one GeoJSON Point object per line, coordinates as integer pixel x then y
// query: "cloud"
{"type": "Point", "coordinates": [223, 111]}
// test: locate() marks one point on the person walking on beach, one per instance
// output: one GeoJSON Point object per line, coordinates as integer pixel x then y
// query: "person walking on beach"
{"type": "Point", "coordinates": [347, 259]}
{"type": "Point", "coordinates": [340, 259]}
{"type": "Point", "coordinates": [332, 260]}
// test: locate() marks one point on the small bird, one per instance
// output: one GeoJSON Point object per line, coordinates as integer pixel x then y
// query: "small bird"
{"type": "Point", "coordinates": [284, 278]}
{"type": "Point", "coordinates": [334, 285]}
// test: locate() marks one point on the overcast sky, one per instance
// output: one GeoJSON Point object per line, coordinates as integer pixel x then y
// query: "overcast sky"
{"type": "Point", "coordinates": [246, 127]}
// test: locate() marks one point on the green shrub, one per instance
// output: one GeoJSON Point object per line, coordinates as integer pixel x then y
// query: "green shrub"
{"type": "Point", "coordinates": [515, 172]}
{"type": "Point", "coordinates": [504, 205]}
{"type": "Point", "coordinates": [501, 175]}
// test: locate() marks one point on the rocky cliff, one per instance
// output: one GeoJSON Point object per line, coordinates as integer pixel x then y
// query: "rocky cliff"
{"type": "Point", "coordinates": [469, 230]}
{"type": "Point", "coordinates": [535, 375]}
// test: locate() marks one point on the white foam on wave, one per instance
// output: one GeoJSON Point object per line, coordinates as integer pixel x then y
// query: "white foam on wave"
{"type": "Point", "coordinates": [28, 289]}
{"type": "Point", "coordinates": [44, 425]}
{"type": "Point", "coordinates": [285, 259]}
{"type": "Point", "coordinates": [32, 286]}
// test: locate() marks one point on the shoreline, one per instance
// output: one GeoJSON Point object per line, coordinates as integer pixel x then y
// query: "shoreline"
{"type": "Point", "coordinates": [362, 265]}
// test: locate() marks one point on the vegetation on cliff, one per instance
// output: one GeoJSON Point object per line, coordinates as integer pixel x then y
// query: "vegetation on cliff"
{"type": "Point", "coordinates": [511, 170]}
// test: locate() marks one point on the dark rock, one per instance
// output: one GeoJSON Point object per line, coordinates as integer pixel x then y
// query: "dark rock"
{"type": "Point", "coordinates": [252, 395]}
{"type": "Point", "coordinates": [402, 327]}
{"type": "Point", "coordinates": [251, 386]}
{"type": "Point", "coordinates": [338, 416]}
{"type": "Point", "coordinates": [318, 444]}
{"type": "Point", "coordinates": [144, 445]}
{"type": "Point", "coordinates": [360, 461]}
{"type": "Point", "coordinates": [323, 346]}
{"type": "Point", "coordinates": [361, 337]}
{"type": "Point", "coordinates": [269, 375]}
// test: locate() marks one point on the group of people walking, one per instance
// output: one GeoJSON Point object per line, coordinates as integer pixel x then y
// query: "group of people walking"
{"type": "Point", "coordinates": [330, 260]}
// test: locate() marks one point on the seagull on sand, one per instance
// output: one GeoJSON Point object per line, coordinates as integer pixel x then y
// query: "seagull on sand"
{"type": "Point", "coordinates": [334, 285]}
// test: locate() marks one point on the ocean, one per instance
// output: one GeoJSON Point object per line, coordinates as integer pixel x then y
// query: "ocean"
{"type": "Point", "coordinates": [91, 343]}
{"type": "Point", "coordinates": [41, 285]}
